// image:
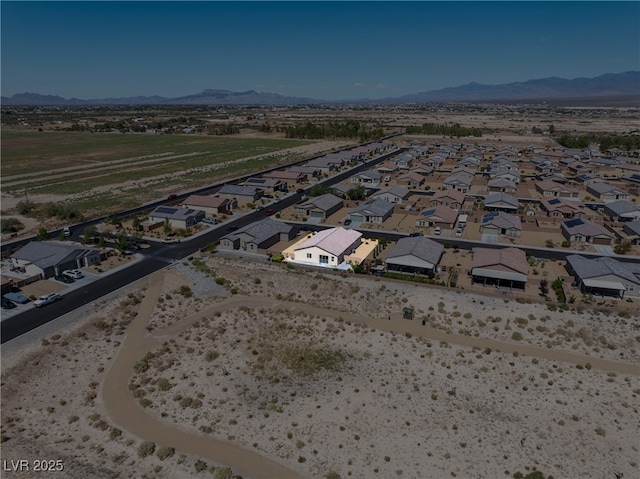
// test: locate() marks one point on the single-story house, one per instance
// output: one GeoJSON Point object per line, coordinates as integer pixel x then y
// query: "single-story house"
{"type": "Point", "coordinates": [632, 230]}
{"type": "Point", "coordinates": [372, 211]}
{"type": "Point", "coordinates": [451, 198]}
{"type": "Point", "coordinates": [422, 170]}
{"type": "Point", "coordinates": [177, 217]}
{"type": "Point", "coordinates": [580, 230]}
{"type": "Point", "coordinates": [415, 255]}
{"type": "Point", "coordinates": [327, 163]}
{"type": "Point", "coordinates": [393, 194]}
{"type": "Point", "coordinates": [459, 183]}
{"type": "Point", "coordinates": [411, 179]}
{"type": "Point", "coordinates": [502, 185]}
{"type": "Point", "coordinates": [551, 188]}
{"type": "Point", "coordinates": [327, 247]}
{"type": "Point", "coordinates": [501, 202]}
{"type": "Point", "coordinates": [622, 211]}
{"type": "Point", "coordinates": [442, 216]}
{"type": "Point", "coordinates": [505, 174]}
{"type": "Point", "coordinates": [287, 176]}
{"type": "Point", "coordinates": [45, 259]}
{"type": "Point", "coordinates": [267, 184]}
{"type": "Point", "coordinates": [606, 192]}
{"type": "Point", "coordinates": [605, 276]}
{"type": "Point", "coordinates": [501, 267]}
{"type": "Point", "coordinates": [321, 206]}
{"type": "Point", "coordinates": [240, 193]}
{"type": "Point", "coordinates": [367, 178]}
{"type": "Point", "coordinates": [260, 235]}
{"type": "Point", "coordinates": [562, 207]}
{"type": "Point", "coordinates": [306, 170]}
{"type": "Point", "coordinates": [500, 223]}
{"type": "Point", "coordinates": [386, 168]}
{"type": "Point", "coordinates": [211, 205]}
{"type": "Point", "coordinates": [464, 171]}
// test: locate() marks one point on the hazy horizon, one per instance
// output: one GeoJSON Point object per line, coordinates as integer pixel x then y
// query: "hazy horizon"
{"type": "Point", "coordinates": [320, 50]}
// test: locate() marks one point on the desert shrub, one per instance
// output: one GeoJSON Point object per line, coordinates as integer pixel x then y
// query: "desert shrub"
{"type": "Point", "coordinates": [185, 291]}
{"type": "Point", "coordinates": [516, 336]}
{"type": "Point", "coordinates": [223, 473]}
{"type": "Point", "coordinates": [146, 448]}
{"type": "Point", "coordinates": [165, 452]}
{"type": "Point", "coordinates": [200, 466]}
{"type": "Point", "coordinates": [10, 225]}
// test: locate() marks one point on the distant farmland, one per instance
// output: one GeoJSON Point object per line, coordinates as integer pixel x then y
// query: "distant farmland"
{"type": "Point", "coordinates": [105, 171]}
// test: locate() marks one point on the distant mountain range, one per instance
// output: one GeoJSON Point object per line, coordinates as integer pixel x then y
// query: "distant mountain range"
{"type": "Point", "coordinates": [613, 87]}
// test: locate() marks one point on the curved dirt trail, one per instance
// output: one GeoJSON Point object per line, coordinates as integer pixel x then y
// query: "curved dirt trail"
{"type": "Point", "coordinates": [124, 409]}
{"type": "Point", "coordinates": [127, 413]}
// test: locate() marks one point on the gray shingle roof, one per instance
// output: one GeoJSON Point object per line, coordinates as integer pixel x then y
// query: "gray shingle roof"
{"type": "Point", "coordinates": [323, 202]}
{"type": "Point", "coordinates": [262, 230]}
{"type": "Point", "coordinates": [45, 254]}
{"type": "Point", "coordinates": [586, 268]}
{"type": "Point", "coordinates": [420, 247]}
{"type": "Point", "coordinates": [501, 198]}
{"type": "Point", "coordinates": [374, 208]}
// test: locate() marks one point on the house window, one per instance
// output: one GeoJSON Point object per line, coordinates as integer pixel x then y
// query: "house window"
{"type": "Point", "coordinates": [309, 255]}
{"type": "Point", "coordinates": [324, 259]}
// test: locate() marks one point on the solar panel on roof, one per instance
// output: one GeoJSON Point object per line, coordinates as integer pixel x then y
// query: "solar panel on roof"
{"type": "Point", "coordinates": [489, 216]}
{"type": "Point", "coordinates": [572, 223]}
{"type": "Point", "coordinates": [257, 180]}
{"type": "Point", "coordinates": [554, 201]}
{"type": "Point", "coordinates": [428, 212]}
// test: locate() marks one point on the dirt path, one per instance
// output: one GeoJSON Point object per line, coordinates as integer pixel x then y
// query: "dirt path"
{"type": "Point", "coordinates": [127, 413]}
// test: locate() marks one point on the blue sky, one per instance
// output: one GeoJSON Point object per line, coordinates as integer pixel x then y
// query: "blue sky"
{"type": "Point", "coordinates": [322, 50]}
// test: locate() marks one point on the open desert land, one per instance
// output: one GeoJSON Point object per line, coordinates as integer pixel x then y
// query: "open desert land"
{"type": "Point", "coordinates": [281, 372]}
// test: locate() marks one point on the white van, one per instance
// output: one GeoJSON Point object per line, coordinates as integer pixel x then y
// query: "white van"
{"type": "Point", "coordinates": [66, 231]}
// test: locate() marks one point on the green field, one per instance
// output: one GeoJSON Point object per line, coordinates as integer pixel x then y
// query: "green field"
{"type": "Point", "coordinates": [79, 166]}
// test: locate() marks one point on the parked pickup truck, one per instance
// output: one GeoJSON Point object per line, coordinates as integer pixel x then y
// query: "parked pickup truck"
{"type": "Point", "coordinates": [46, 299]}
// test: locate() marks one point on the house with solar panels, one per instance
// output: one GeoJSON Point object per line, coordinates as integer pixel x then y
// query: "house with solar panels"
{"type": "Point", "coordinates": [442, 216]}
{"type": "Point", "coordinates": [177, 217]}
{"type": "Point", "coordinates": [562, 208]}
{"type": "Point", "coordinates": [501, 223]}
{"type": "Point", "coordinates": [580, 230]}
{"type": "Point", "coordinates": [267, 184]}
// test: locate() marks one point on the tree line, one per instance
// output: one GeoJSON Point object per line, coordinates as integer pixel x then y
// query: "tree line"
{"type": "Point", "coordinates": [454, 129]}
{"type": "Point", "coordinates": [332, 130]}
{"type": "Point", "coordinates": [627, 143]}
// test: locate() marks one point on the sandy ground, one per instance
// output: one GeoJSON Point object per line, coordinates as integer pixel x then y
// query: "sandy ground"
{"type": "Point", "coordinates": [280, 372]}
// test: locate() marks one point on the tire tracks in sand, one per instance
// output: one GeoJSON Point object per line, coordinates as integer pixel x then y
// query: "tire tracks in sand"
{"type": "Point", "coordinates": [129, 415]}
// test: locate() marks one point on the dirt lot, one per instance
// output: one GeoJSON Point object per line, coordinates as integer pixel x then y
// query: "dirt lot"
{"type": "Point", "coordinates": [184, 372]}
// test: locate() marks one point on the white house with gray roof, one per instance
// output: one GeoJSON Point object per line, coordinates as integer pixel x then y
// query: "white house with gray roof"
{"type": "Point", "coordinates": [240, 193]}
{"type": "Point", "coordinates": [607, 192]}
{"type": "Point", "coordinates": [393, 194]}
{"type": "Point", "coordinates": [605, 276]}
{"type": "Point", "coordinates": [321, 207]}
{"type": "Point", "coordinates": [46, 259]}
{"type": "Point", "coordinates": [177, 217]}
{"type": "Point", "coordinates": [415, 255]}
{"type": "Point", "coordinates": [372, 211]}
{"type": "Point", "coordinates": [622, 211]}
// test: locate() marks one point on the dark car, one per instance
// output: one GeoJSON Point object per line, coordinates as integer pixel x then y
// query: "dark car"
{"type": "Point", "coordinates": [347, 222]}
{"type": "Point", "coordinates": [270, 212]}
{"type": "Point", "coordinates": [172, 197]}
{"type": "Point", "coordinates": [64, 278]}
{"type": "Point", "coordinates": [413, 235]}
{"type": "Point", "coordinates": [8, 304]}
{"type": "Point", "coordinates": [231, 229]}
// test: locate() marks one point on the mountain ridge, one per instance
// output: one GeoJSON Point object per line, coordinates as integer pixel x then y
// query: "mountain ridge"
{"type": "Point", "coordinates": [610, 85]}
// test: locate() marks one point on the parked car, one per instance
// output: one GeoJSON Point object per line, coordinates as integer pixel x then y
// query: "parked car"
{"type": "Point", "coordinates": [270, 212]}
{"type": "Point", "coordinates": [172, 197]}
{"type": "Point", "coordinates": [210, 221]}
{"type": "Point", "coordinates": [459, 232]}
{"type": "Point", "coordinates": [64, 278]}
{"type": "Point", "coordinates": [231, 229]}
{"type": "Point", "coordinates": [437, 230]}
{"type": "Point", "coordinates": [226, 212]}
{"type": "Point", "coordinates": [8, 304]}
{"type": "Point", "coordinates": [66, 231]}
{"type": "Point", "coordinates": [413, 235]}
{"type": "Point", "coordinates": [387, 178]}
{"type": "Point", "coordinates": [17, 298]}
{"type": "Point", "coordinates": [46, 299]}
{"type": "Point", "coordinates": [171, 240]}
{"type": "Point", "coordinates": [347, 222]}
{"type": "Point", "coordinates": [73, 273]}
